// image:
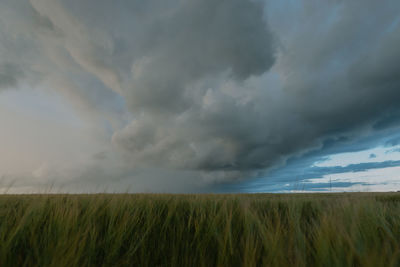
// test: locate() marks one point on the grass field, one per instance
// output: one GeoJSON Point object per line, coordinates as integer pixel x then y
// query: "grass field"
{"type": "Point", "coordinates": [361, 229]}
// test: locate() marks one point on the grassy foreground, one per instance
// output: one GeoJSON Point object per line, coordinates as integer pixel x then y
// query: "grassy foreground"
{"type": "Point", "coordinates": [200, 230]}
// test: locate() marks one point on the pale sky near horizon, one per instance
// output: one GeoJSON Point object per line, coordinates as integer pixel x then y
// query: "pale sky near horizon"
{"type": "Point", "coordinates": [199, 95]}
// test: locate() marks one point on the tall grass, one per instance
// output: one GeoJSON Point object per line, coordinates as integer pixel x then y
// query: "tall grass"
{"type": "Point", "coordinates": [200, 230]}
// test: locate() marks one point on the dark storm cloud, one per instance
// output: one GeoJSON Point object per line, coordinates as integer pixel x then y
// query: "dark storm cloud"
{"type": "Point", "coordinates": [226, 89]}
{"type": "Point", "coordinates": [337, 81]}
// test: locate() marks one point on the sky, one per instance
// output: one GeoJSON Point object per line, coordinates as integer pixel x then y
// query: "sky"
{"type": "Point", "coordinates": [186, 96]}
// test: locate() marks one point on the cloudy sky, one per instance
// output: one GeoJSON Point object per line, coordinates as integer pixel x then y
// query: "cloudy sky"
{"type": "Point", "coordinates": [199, 95]}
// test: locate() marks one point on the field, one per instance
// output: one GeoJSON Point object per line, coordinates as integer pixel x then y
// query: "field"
{"type": "Point", "coordinates": [361, 229]}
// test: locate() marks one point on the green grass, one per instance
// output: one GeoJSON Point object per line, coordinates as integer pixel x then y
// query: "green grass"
{"type": "Point", "coordinates": [361, 229]}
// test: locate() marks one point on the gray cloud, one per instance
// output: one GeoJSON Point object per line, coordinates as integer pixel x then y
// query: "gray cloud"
{"type": "Point", "coordinates": [9, 74]}
{"type": "Point", "coordinates": [337, 81]}
{"type": "Point", "coordinates": [223, 89]}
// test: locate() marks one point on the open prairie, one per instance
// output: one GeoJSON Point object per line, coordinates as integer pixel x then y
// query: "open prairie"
{"type": "Point", "coordinates": [359, 229]}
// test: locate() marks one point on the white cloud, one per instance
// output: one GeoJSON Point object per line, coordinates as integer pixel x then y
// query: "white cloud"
{"type": "Point", "coordinates": [344, 159]}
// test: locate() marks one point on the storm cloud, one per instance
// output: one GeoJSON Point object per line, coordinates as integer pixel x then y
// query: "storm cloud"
{"type": "Point", "coordinates": [216, 90]}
